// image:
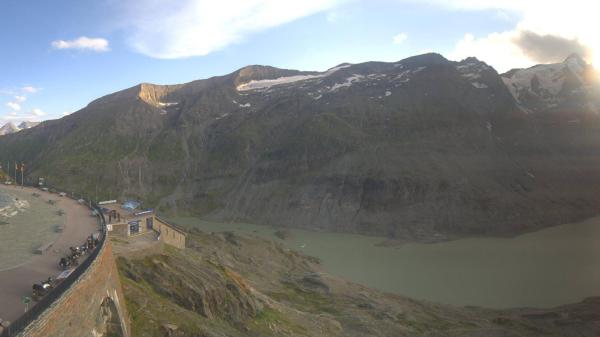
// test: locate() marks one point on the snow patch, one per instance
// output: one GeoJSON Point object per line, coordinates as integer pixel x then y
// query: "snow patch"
{"type": "Point", "coordinates": [403, 76]}
{"type": "Point", "coordinates": [262, 84]}
{"type": "Point", "coordinates": [222, 116]}
{"type": "Point", "coordinates": [388, 93]}
{"type": "Point", "coordinates": [547, 79]}
{"type": "Point", "coordinates": [479, 85]}
{"type": "Point", "coordinates": [349, 81]}
{"type": "Point", "coordinates": [167, 104]}
{"type": "Point", "coordinates": [471, 76]}
{"type": "Point", "coordinates": [247, 105]}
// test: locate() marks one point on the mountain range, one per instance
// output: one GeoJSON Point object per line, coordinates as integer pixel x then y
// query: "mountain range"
{"type": "Point", "coordinates": [420, 149]}
{"type": "Point", "coordinates": [10, 127]}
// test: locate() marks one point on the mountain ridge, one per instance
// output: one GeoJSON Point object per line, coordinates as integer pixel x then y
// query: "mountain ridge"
{"type": "Point", "coordinates": [420, 149]}
{"type": "Point", "coordinates": [10, 127]}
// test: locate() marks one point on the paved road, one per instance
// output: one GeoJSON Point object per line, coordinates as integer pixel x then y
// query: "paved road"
{"type": "Point", "coordinates": [16, 283]}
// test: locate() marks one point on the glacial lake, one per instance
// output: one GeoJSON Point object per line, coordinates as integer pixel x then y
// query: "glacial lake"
{"type": "Point", "coordinates": [555, 266]}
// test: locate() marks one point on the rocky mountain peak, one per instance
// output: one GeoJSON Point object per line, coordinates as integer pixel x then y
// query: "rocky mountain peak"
{"type": "Point", "coordinates": [560, 87]}
{"type": "Point", "coordinates": [27, 124]}
{"type": "Point", "coordinates": [8, 128]}
{"type": "Point", "coordinates": [259, 72]}
{"type": "Point", "coordinates": [428, 59]}
{"type": "Point", "coordinates": [575, 58]}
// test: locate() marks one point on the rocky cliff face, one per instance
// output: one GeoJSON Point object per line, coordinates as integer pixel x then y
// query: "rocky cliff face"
{"type": "Point", "coordinates": [226, 284]}
{"type": "Point", "coordinates": [414, 149]}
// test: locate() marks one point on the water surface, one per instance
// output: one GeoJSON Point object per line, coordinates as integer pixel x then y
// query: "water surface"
{"type": "Point", "coordinates": [551, 267]}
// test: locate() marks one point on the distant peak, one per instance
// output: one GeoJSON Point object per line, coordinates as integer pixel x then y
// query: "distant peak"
{"type": "Point", "coordinates": [27, 124]}
{"type": "Point", "coordinates": [426, 59]}
{"type": "Point", "coordinates": [256, 68]}
{"type": "Point", "coordinates": [574, 57]}
{"type": "Point", "coordinates": [259, 72]}
{"type": "Point", "coordinates": [7, 128]}
{"type": "Point", "coordinates": [471, 59]}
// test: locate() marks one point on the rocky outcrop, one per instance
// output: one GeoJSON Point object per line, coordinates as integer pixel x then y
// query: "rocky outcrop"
{"type": "Point", "coordinates": [263, 289]}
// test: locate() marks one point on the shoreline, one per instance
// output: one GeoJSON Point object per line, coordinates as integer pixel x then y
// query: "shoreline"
{"type": "Point", "coordinates": [486, 265]}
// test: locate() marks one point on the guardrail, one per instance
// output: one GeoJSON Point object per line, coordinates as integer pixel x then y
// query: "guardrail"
{"type": "Point", "coordinates": [20, 324]}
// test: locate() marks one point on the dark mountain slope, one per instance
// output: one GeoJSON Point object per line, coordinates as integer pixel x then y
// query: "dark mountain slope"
{"type": "Point", "coordinates": [409, 149]}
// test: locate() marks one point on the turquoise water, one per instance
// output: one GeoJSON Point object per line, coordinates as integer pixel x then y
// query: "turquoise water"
{"type": "Point", "coordinates": [547, 268]}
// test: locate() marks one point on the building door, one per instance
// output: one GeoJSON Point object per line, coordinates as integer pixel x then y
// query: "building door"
{"type": "Point", "coordinates": [149, 222]}
{"type": "Point", "coordinates": [134, 227]}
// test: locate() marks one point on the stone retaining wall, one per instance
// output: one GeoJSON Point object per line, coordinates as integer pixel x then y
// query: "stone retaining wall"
{"type": "Point", "coordinates": [81, 310]}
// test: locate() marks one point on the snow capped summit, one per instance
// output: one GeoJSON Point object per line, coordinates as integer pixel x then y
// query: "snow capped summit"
{"type": "Point", "coordinates": [10, 127]}
{"type": "Point", "coordinates": [576, 62]}
{"type": "Point", "coordinates": [27, 124]}
{"type": "Point", "coordinates": [553, 86]}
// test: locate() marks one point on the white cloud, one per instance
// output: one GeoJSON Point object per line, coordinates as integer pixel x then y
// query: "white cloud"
{"type": "Point", "coordinates": [14, 106]}
{"type": "Point", "coordinates": [576, 21]}
{"type": "Point", "coordinates": [38, 112]}
{"type": "Point", "coordinates": [29, 89]}
{"type": "Point", "coordinates": [496, 49]}
{"type": "Point", "coordinates": [18, 117]}
{"type": "Point", "coordinates": [399, 38]}
{"type": "Point", "coordinates": [20, 99]}
{"type": "Point", "coordinates": [162, 29]}
{"type": "Point", "coordinates": [82, 43]}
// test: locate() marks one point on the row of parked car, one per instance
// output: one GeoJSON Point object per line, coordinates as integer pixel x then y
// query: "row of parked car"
{"type": "Point", "coordinates": [67, 264]}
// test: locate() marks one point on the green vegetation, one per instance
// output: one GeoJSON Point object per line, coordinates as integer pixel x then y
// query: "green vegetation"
{"type": "Point", "coordinates": [225, 284]}
{"type": "Point", "coordinates": [304, 300]}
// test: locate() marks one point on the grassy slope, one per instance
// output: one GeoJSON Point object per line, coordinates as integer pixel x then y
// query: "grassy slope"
{"type": "Point", "coordinates": [224, 284]}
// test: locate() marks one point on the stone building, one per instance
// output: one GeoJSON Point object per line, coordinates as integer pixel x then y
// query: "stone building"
{"type": "Point", "coordinates": [128, 219]}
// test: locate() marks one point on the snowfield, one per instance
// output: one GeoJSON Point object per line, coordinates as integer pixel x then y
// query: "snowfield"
{"type": "Point", "coordinates": [265, 84]}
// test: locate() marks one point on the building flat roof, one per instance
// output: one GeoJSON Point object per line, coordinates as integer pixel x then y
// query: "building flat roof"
{"type": "Point", "coordinates": [127, 214]}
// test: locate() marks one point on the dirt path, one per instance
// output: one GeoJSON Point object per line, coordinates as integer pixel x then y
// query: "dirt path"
{"type": "Point", "coordinates": [16, 283]}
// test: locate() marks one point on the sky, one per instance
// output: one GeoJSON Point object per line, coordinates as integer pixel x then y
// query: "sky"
{"type": "Point", "coordinates": [57, 56]}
